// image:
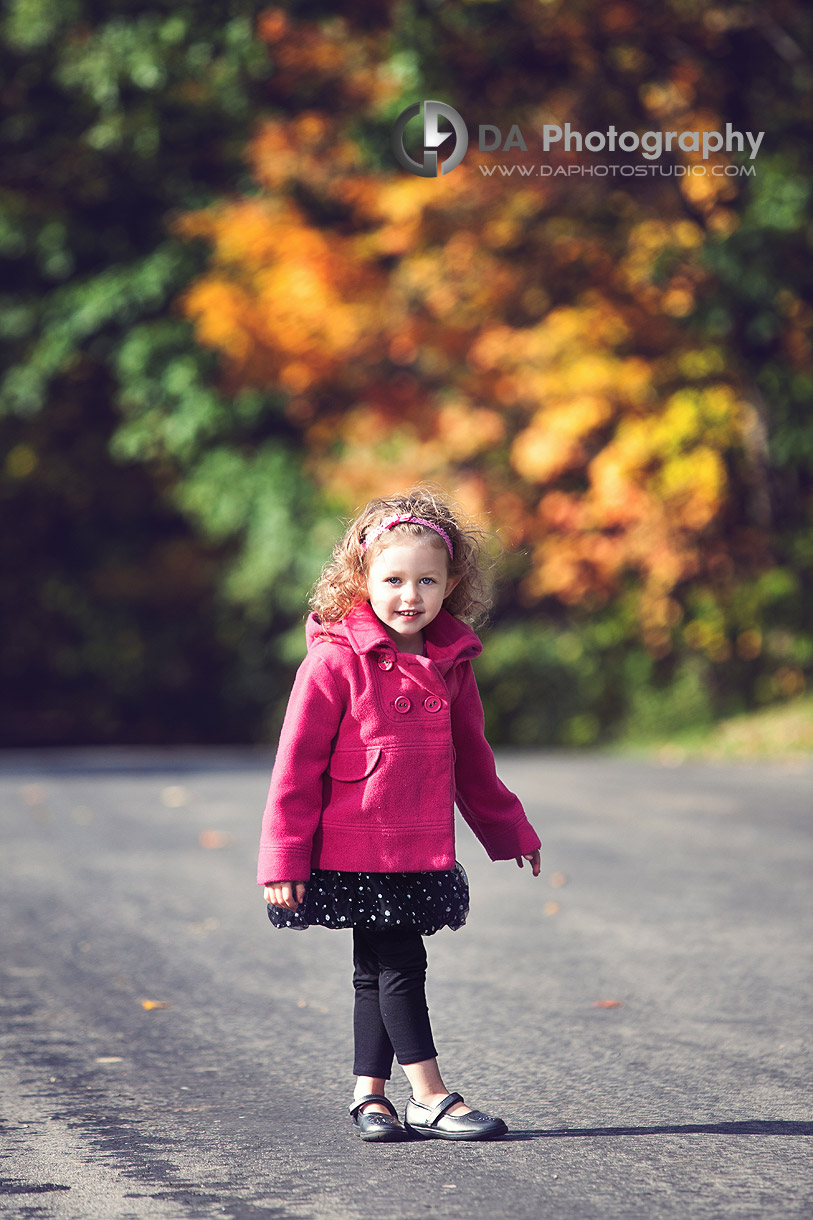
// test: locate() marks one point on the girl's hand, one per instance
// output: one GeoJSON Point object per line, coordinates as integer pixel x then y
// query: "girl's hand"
{"type": "Point", "coordinates": [533, 859]}
{"type": "Point", "coordinates": [286, 894]}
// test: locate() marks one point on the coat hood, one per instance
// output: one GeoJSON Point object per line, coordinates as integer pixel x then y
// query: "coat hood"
{"type": "Point", "coordinates": [447, 639]}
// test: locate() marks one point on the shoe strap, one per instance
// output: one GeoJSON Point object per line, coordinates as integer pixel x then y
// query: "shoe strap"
{"type": "Point", "coordinates": [379, 1097]}
{"type": "Point", "coordinates": [437, 1112]}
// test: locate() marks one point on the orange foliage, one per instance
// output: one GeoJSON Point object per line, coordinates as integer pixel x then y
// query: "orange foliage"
{"type": "Point", "coordinates": [410, 323]}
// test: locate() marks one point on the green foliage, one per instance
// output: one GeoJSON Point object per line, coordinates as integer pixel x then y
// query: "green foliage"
{"type": "Point", "coordinates": [545, 685]}
{"type": "Point", "coordinates": [687, 702]}
{"type": "Point", "coordinates": [260, 497]}
{"type": "Point", "coordinates": [115, 118]}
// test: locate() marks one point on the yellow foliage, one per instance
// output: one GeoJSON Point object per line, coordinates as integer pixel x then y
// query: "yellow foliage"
{"type": "Point", "coordinates": [409, 323]}
{"type": "Point", "coordinates": [466, 430]}
{"type": "Point", "coordinates": [699, 363]}
{"type": "Point", "coordinates": [552, 442]}
{"type": "Point", "coordinates": [694, 483]}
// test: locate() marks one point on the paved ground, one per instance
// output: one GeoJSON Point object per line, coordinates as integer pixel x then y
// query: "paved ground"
{"type": "Point", "coordinates": [683, 893]}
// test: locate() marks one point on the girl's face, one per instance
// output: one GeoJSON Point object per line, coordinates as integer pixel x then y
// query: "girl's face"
{"type": "Point", "coordinates": [406, 584]}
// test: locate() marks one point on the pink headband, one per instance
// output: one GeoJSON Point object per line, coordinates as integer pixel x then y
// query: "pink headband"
{"type": "Point", "coordinates": [408, 519]}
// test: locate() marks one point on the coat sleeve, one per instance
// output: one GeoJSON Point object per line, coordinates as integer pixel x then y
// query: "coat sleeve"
{"type": "Point", "coordinates": [494, 814]}
{"type": "Point", "coordinates": [294, 804]}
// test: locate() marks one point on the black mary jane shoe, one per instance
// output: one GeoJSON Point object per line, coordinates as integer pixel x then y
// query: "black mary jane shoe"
{"type": "Point", "coordinates": [432, 1122]}
{"type": "Point", "coordinates": [376, 1126]}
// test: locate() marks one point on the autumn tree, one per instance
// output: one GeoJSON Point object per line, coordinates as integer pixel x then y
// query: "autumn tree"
{"type": "Point", "coordinates": [611, 370]}
{"type": "Point", "coordinates": [210, 358]}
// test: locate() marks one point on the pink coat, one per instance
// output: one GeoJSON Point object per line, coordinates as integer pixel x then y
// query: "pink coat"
{"type": "Point", "coordinates": [376, 747]}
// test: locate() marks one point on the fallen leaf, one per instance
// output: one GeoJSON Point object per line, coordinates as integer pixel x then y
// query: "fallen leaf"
{"type": "Point", "coordinates": [212, 840]}
{"type": "Point", "coordinates": [552, 908]}
{"type": "Point", "coordinates": [174, 796]}
{"type": "Point", "coordinates": [608, 1003]}
{"type": "Point", "coordinates": [557, 880]}
{"type": "Point", "coordinates": [109, 1058]}
{"type": "Point", "coordinates": [150, 1004]}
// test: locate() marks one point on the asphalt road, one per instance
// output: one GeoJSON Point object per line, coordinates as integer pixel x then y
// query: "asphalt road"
{"type": "Point", "coordinates": [677, 898]}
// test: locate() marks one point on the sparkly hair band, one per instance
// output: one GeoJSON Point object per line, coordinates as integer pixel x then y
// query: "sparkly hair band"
{"type": "Point", "coordinates": [408, 519]}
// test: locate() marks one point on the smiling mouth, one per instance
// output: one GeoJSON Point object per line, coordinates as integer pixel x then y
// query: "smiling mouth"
{"type": "Point", "coordinates": [408, 613]}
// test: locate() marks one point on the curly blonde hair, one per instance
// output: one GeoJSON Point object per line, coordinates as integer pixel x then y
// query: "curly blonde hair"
{"type": "Point", "coordinates": [342, 584]}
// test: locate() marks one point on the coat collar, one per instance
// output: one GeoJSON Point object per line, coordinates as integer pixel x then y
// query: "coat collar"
{"type": "Point", "coordinates": [448, 640]}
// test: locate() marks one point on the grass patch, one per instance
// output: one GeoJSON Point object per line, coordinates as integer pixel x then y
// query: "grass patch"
{"type": "Point", "coordinates": [783, 732]}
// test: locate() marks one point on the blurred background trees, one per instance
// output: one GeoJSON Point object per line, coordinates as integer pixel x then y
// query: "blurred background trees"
{"type": "Point", "coordinates": [230, 319]}
{"type": "Point", "coordinates": [114, 115]}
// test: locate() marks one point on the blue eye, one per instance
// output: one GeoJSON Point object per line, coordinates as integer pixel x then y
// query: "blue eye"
{"type": "Point", "coordinates": [430, 580]}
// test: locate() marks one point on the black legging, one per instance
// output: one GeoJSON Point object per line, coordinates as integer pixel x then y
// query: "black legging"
{"type": "Point", "coordinates": [390, 1013]}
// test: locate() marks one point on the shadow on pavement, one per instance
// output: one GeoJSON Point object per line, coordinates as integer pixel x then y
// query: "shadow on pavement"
{"type": "Point", "coordinates": [754, 1126]}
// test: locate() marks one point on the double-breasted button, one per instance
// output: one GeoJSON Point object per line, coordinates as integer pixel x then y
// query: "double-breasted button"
{"type": "Point", "coordinates": [402, 704]}
{"type": "Point", "coordinates": [432, 704]}
{"type": "Point", "coordinates": [385, 662]}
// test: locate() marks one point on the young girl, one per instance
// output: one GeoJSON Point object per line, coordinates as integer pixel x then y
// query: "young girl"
{"type": "Point", "coordinates": [383, 733]}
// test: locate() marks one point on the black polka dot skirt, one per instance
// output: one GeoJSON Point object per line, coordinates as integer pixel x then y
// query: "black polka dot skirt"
{"type": "Point", "coordinates": [424, 901]}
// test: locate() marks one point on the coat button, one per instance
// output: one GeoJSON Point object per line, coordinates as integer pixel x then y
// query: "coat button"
{"type": "Point", "coordinates": [402, 704]}
{"type": "Point", "coordinates": [385, 662]}
{"type": "Point", "coordinates": [432, 704]}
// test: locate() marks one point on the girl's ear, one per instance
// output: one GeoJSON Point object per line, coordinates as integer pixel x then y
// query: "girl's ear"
{"type": "Point", "coordinates": [451, 585]}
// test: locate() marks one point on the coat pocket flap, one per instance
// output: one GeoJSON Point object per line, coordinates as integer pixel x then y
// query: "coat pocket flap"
{"type": "Point", "coordinates": [350, 765]}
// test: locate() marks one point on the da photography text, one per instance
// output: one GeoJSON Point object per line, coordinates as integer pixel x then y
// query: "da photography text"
{"type": "Point", "coordinates": [651, 144]}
